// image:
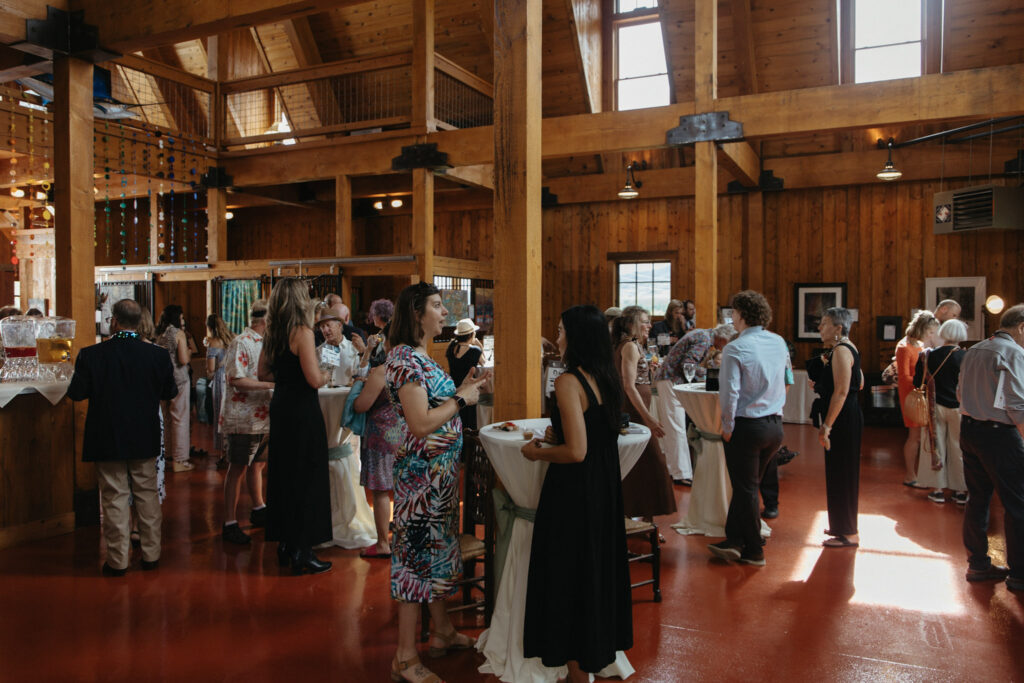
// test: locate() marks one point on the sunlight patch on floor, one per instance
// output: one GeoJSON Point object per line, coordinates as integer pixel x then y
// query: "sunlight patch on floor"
{"type": "Point", "coordinates": [889, 569]}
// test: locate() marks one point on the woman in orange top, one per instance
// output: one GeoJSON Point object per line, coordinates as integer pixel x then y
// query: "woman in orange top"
{"type": "Point", "coordinates": [919, 334]}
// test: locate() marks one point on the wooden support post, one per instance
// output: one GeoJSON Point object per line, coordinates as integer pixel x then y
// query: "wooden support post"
{"type": "Point", "coordinates": [216, 225]}
{"type": "Point", "coordinates": [423, 66]}
{"type": "Point", "coordinates": [73, 240]}
{"type": "Point", "coordinates": [705, 241]}
{"type": "Point", "coordinates": [217, 70]}
{"type": "Point", "coordinates": [423, 224]}
{"type": "Point", "coordinates": [517, 214]}
{"type": "Point", "coordinates": [344, 240]}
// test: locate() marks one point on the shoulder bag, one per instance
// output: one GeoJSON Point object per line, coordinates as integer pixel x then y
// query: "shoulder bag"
{"type": "Point", "coordinates": [915, 405]}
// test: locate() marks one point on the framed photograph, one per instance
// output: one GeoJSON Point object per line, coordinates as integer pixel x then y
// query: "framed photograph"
{"type": "Point", "coordinates": [724, 315]}
{"type": "Point", "coordinates": [889, 327]}
{"type": "Point", "coordinates": [811, 300]}
{"type": "Point", "coordinates": [969, 292]}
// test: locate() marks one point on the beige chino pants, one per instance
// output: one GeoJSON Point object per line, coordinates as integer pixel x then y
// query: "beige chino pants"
{"type": "Point", "coordinates": [114, 478]}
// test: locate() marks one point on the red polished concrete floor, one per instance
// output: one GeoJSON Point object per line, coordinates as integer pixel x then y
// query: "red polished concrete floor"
{"type": "Point", "coordinates": [896, 609]}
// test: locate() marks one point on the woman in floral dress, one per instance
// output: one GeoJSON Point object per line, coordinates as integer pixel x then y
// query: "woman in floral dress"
{"type": "Point", "coordinates": [425, 559]}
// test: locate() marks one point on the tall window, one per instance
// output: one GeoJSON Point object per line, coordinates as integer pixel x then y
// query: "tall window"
{"type": "Point", "coordinates": [887, 40]}
{"type": "Point", "coordinates": [647, 284]}
{"type": "Point", "coordinates": [641, 73]}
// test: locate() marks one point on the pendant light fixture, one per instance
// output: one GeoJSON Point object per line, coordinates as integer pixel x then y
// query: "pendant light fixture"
{"type": "Point", "coordinates": [629, 190]}
{"type": "Point", "coordinates": [889, 171]}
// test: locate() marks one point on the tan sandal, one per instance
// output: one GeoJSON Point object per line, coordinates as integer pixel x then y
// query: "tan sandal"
{"type": "Point", "coordinates": [450, 643]}
{"type": "Point", "coordinates": [398, 670]}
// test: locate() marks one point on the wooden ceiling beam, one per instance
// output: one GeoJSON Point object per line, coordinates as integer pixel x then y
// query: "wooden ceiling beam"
{"type": "Point", "coordinates": [127, 27]}
{"type": "Point", "coordinates": [743, 46]}
{"type": "Point", "coordinates": [980, 93]}
{"type": "Point", "coordinates": [481, 175]}
{"type": "Point", "coordinates": [742, 161]}
{"type": "Point", "coordinates": [14, 14]}
{"type": "Point", "coordinates": [585, 25]}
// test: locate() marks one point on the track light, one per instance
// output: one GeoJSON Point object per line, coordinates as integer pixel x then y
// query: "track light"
{"type": "Point", "coordinates": [396, 203]}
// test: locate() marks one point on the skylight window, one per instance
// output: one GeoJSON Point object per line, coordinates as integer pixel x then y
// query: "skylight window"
{"type": "Point", "coordinates": [887, 40]}
{"type": "Point", "coordinates": [642, 76]}
{"type": "Point", "coordinates": [623, 6]}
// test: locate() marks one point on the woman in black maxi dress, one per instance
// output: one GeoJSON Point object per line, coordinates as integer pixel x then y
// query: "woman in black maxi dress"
{"type": "Point", "coordinates": [840, 431]}
{"type": "Point", "coordinates": [578, 602]}
{"type": "Point", "coordinates": [298, 479]}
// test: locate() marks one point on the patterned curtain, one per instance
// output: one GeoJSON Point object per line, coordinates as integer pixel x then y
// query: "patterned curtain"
{"type": "Point", "coordinates": [236, 297]}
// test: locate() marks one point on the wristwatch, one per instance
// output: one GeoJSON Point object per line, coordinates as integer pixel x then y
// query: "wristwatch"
{"type": "Point", "coordinates": [461, 402]}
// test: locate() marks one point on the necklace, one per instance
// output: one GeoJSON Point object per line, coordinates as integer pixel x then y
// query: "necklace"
{"type": "Point", "coordinates": [126, 334]}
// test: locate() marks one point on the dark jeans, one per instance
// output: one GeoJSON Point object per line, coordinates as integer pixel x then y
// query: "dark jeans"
{"type": "Point", "coordinates": [993, 460]}
{"type": "Point", "coordinates": [753, 444]}
{"type": "Point", "coordinates": [770, 485]}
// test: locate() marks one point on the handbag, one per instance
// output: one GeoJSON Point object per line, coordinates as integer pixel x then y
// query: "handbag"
{"type": "Point", "coordinates": [891, 374]}
{"type": "Point", "coordinates": [349, 417]}
{"type": "Point", "coordinates": [915, 406]}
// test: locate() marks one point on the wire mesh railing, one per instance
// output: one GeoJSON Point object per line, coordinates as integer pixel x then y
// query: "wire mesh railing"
{"type": "Point", "coordinates": [460, 105]}
{"type": "Point", "coordinates": [161, 102]}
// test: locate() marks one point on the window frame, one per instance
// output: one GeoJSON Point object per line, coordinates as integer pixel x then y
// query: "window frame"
{"type": "Point", "coordinates": [931, 38]}
{"type": "Point", "coordinates": [652, 258]}
{"type": "Point", "coordinates": [651, 15]}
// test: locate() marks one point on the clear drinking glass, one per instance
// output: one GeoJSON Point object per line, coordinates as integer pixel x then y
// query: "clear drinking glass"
{"type": "Point", "coordinates": [689, 370]}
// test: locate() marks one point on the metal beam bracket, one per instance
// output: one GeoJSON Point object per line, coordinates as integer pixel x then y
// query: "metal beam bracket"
{"type": "Point", "coordinates": [710, 127]}
{"type": "Point", "coordinates": [420, 156]}
{"type": "Point", "coordinates": [767, 182]}
{"type": "Point", "coordinates": [547, 198]}
{"type": "Point", "coordinates": [63, 33]}
{"type": "Point", "coordinates": [216, 177]}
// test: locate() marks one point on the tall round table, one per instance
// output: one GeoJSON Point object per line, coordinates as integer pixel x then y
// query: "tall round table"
{"type": "Point", "coordinates": [351, 516]}
{"type": "Point", "coordinates": [502, 642]}
{"type": "Point", "coordinates": [711, 491]}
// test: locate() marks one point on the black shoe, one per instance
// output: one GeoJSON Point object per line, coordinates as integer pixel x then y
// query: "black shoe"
{"type": "Point", "coordinates": [724, 550]}
{"type": "Point", "coordinates": [1014, 584]}
{"type": "Point", "coordinates": [305, 562]}
{"type": "Point", "coordinates": [222, 463]}
{"type": "Point", "coordinates": [258, 518]}
{"type": "Point", "coordinates": [770, 513]}
{"type": "Point", "coordinates": [231, 533]}
{"type": "Point", "coordinates": [110, 571]}
{"type": "Point", "coordinates": [785, 455]}
{"type": "Point", "coordinates": [136, 540]}
{"type": "Point", "coordinates": [992, 573]}
{"type": "Point", "coordinates": [284, 555]}
{"type": "Point", "coordinates": [148, 566]}
{"type": "Point", "coordinates": [755, 560]}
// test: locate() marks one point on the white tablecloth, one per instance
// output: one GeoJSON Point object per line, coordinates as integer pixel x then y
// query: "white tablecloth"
{"type": "Point", "coordinates": [351, 516]}
{"type": "Point", "coordinates": [53, 391]}
{"type": "Point", "coordinates": [502, 643]}
{"type": "Point", "coordinates": [711, 491]}
{"type": "Point", "coordinates": [799, 398]}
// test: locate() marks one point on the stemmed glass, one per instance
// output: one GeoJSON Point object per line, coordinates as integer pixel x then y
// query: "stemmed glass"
{"type": "Point", "coordinates": [689, 370]}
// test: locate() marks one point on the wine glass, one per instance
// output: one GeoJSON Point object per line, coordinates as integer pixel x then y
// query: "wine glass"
{"type": "Point", "coordinates": [689, 370]}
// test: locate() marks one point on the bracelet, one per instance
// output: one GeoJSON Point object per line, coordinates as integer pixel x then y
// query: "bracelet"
{"type": "Point", "coordinates": [827, 428]}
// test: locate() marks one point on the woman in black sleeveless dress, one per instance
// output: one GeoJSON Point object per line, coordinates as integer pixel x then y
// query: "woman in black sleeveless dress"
{"type": "Point", "coordinates": [840, 431]}
{"type": "Point", "coordinates": [298, 484]}
{"type": "Point", "coordinates": [460, 365]}
{"type": "Point", "coordinates": [578, 603]}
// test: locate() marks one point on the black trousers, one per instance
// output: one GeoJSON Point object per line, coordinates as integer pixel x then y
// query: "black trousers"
{"type": "Point", "coordinates": [770, 485]}
{"type": "Point", "coordinates": [753, 444]}
{"type": "Point", "coordinates": [993, 460]}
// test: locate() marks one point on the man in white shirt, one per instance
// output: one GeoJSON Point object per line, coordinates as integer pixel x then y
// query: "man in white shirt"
{"type": "Point", "coordinates": [753, 390]}
{"type": "Point", "coordinates": [343, 355]}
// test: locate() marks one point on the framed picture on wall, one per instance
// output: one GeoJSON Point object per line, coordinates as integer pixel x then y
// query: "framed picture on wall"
{"type": "Point", "coordinates": [811, 300]}
{"type": "Point", "coordinates": [969, 292]}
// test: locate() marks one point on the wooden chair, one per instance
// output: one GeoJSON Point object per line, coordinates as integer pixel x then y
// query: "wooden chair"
{"type": "Point", "coordinates": [477, 510]}
{"type": "Point", "coordinates": [646, 532]}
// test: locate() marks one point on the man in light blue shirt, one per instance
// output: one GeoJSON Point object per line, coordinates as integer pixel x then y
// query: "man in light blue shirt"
{"type": "Point", "coordinates": [752, 393]}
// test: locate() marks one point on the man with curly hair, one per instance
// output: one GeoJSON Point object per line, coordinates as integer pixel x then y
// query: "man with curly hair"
{"type": "Point", "coordinates": [753, 390]}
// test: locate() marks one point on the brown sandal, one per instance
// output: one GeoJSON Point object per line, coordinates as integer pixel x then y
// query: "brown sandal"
{"type": "Point", "coordinates": [398, 670]}
{"type": "Point", "coordinates": [450, 643]}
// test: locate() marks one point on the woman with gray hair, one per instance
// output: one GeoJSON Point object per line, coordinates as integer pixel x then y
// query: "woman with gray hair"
{"type": "Point", "coordinates": [944, 465]}
{"type": "Point", "coordinates": [840, 431]}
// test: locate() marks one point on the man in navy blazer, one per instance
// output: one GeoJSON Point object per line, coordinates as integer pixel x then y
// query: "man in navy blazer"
{"type": "Point", "coordinates": [124, 379]}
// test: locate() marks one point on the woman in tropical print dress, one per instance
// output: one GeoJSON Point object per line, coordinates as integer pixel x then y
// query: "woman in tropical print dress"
{"type": "Point", "coordinates": [425, 559]}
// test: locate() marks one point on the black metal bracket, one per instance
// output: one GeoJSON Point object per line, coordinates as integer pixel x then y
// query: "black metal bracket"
{"type": "Point", "coordinates": [767, 182]}
{"type": "Point", "coordinates": [709, 127]}
{"type": "Point", "coordinates": [420, 156]}
{"type": "Point", "coordinates": [216, 177]}
{"type": "Point", "coordinates": [1015, 166]}
{"type": "Point", "coordinates": [547, 198]}
{"type": "Point", "coordinates": [63, 33]}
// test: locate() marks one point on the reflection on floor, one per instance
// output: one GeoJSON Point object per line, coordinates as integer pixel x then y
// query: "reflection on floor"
{"type": "Point", "coordinates": [897, 608]}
